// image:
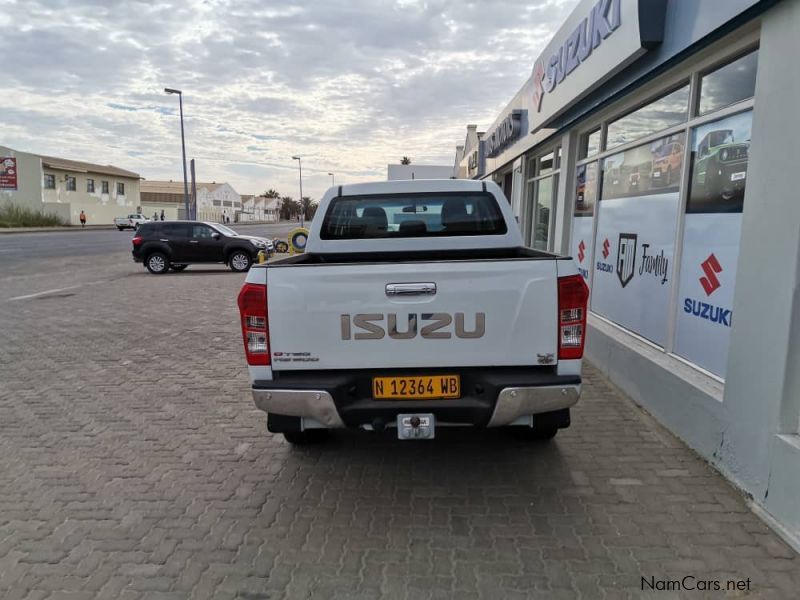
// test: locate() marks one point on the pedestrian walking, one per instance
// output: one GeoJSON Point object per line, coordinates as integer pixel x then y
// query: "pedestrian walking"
{"type": "Point", "coordinates": [83, 219]}
{"type": "Point", "coordinates": [155, 216]}
{"type": "Point", "coordinates": [162, 214]}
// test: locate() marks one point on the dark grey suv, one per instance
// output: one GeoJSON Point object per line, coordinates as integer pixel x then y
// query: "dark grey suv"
{"type": "Point", "coordinates": [165, 245]}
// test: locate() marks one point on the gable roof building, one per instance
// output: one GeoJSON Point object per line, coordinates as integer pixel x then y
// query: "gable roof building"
{"type": "Point", "coordinates": [64, 187]}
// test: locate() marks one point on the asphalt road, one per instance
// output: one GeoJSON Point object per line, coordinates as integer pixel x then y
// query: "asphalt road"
{"type": "Point", "coordinates": [16, 249]}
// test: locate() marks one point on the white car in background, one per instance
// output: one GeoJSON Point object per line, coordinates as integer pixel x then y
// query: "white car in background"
{"type": "Point", "coordinates": [130, 222]}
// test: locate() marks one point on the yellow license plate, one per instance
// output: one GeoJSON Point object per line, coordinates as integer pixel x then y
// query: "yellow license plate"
{"type": "Point", "coordinates": [421, 387]}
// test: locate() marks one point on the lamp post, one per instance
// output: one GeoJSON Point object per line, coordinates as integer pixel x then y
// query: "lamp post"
{"type": "Point", "coordinates": [300, 164]}
{"type": "Point", "coordinates": [332, 179]}
{"type": "Point", "coordinates": [183, 150]}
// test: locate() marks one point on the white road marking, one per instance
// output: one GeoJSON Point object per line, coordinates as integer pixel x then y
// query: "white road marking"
{"type": "Point", "coordinates": [57, 290]}
{"type": "Point", "coordinates": [44, 293]}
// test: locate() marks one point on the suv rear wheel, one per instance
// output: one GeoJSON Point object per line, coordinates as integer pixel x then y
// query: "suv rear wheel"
{"type": "Point", "coordinates": [240, 261]}
{"type": "Point", "coordinates": [157, 263]}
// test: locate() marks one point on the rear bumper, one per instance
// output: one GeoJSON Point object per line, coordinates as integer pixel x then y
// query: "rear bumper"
{"type": "Point", "coordinates": [312, 404]}
{"type": "Point", "coordinates": [491, 397]}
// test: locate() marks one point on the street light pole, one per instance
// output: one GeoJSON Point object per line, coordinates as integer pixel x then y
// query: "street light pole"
{"type": "Point", "coordinates": [332, 179]}
{"type": "Point", "coordinates": [300, 164]}
{"type": "Point", "coordinates": [183, 151]}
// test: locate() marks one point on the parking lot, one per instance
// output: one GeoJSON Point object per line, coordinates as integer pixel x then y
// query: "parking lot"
{"type": "Point", "coordinates": [133, 464]}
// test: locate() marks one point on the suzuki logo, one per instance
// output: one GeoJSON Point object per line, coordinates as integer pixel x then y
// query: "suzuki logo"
{"type": "Point", "coordinates": [710, 267]}
{"type": "Point", "coordinates": [626, 257]}
{"type": "Point", "coordinates": [538, 88]}
{"type": "Point", "coordinates": [606, 246]}
{"type": "Point", "coordinates": [581, 249]}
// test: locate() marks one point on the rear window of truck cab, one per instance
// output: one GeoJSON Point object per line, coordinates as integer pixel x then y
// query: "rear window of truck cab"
{"type": "Point", "coordinates": [412, 216]}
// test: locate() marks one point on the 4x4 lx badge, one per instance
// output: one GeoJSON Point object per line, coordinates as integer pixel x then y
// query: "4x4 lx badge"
{"type": "Point", "coordinates": [626, 257]}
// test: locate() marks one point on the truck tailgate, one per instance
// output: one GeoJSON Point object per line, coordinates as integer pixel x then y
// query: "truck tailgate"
{"type": "Point", "coordinates": [317, 315]}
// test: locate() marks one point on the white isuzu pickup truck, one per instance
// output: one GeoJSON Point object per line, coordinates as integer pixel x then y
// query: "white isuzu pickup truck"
{"type": "Point", "coordinates": [415, 306]}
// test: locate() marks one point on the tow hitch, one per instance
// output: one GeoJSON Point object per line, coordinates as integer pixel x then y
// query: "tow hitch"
{"type": "Point", "coordinates": [416, 427]}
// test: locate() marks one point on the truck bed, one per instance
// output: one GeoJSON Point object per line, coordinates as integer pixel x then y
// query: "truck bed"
{"type": "Point", "coordinates": [517, 253]}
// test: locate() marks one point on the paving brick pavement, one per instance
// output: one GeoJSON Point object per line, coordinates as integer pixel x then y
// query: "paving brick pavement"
{"type": "Point", "coordinates": [134, 465]}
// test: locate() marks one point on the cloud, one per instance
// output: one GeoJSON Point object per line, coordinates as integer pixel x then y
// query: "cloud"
{"type": "Point", "coordinates": [350, 85]}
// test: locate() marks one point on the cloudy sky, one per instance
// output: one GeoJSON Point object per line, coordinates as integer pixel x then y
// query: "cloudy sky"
{"type": "Point", "coordinates": [350, 85]}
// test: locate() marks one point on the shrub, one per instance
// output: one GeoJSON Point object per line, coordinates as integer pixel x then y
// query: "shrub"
{"type": "Point", "coordinates": [12, 215]}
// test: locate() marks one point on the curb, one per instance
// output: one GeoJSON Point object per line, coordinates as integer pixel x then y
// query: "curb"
{"type": "Point", "coordinates": [58, 229]}
{"type": "Point", "coordinates": [7, 230]}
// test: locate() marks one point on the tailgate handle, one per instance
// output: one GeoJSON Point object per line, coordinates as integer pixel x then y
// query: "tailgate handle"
{"type": "Point", "coordinates": [410, 289]}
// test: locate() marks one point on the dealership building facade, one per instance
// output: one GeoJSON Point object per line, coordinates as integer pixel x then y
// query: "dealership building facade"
{"type": "Point", "coordinates": [652, 142]}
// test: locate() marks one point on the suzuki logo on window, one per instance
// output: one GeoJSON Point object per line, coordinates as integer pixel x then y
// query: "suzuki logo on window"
{"type": "Point", "coordinates": [710, 267]}
{"type": "Point", "coordinates": [711, 283]}
{"type": "Point", "coordinates": [626, 257]}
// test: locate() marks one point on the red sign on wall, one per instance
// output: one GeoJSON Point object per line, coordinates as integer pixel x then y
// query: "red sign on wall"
{"type": "Point", "coordinates": [8, 173]}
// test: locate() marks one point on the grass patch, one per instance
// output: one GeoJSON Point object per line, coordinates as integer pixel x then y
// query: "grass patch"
{"type": "Point", "coordinates": [12, 215]}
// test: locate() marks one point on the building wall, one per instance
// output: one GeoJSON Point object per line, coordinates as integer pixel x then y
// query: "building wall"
{"type": "Point", "coordinates": [29, 180]}
{"type": "Point", "coordinates": [762, 393]}
{"type": "Point", "coordinates": [399, 172]}
{"type": "Point", "coordinates": [747, 427]}
{"type": "Point", "coordinates": [211, 204]}
{"type": "Point", "coordinates": [249, 211]}
{"type": "Point", "coordinates": [100, 209]}
{"type": "Point", "coordinates": [170, 210]}
{"type": "Point", "coordinates": [254, 210]}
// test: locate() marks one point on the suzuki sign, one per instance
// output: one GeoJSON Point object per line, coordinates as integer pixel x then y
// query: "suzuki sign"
{"type": "Point", "coordinates": [505, 133]}
{"type": "Point", "coordinates": [599, 39]}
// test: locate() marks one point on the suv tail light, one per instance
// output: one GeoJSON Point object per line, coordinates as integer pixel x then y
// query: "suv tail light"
{"type": "Point", "coordinates": [573, 294]}
{"type": "Point", "coordinates": [137, 241]}
{"type": "Point", "coordinates": [253, 310]}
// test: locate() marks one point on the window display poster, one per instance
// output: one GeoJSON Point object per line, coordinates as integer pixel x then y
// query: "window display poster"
{"type": "Point", "coordinates": [585, 189]}
{"type": "Point", "coordinates": [712, 232]}
{"type": "Point", "coordinates": [633, 259]}
{"type": "Point", "coordinates": [8, 173]}
{"type": "Point", "coordinates": [582, 221]}
{"type": "Point", "coordinates": [582, 244]}
{"type": "Point", "coordinates": [707, 281]}
{"type": "Point", "coordinates": [719, 165]}
{"type": "Point", "coordinates": [635, 243]}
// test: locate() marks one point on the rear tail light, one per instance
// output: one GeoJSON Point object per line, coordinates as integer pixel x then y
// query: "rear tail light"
{"type": "Point", "coordinates": [573, 294]}
{"type": "Point", "coordinates": [255, 331]}
{"type": "Point", "coordinates": [137, 241]}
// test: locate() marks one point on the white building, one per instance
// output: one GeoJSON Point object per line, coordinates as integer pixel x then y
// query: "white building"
{"type": "Point", "coordinates": [271, 209]}
{"type": "Point", "coordinates": [396, 172]}
{"type": "Point", "coordinates": [214, 200]}
{"type": "Point", "coordinates": [260, 208]}
{"type": "Point", "coordinates": [470, 157]}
